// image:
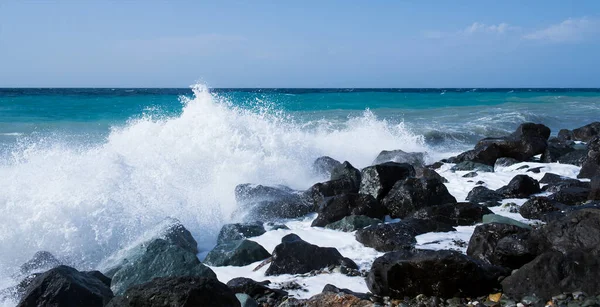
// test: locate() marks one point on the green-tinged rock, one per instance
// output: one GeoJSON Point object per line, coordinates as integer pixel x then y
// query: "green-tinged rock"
{"type": "Point", "coordinates": [246, 300]}
{"type": "Point", "coordinates": [236, 253]}
{"type": "Point", "coordinates": [495, 218]}
{"type": "Point", "coordinates": [239, 231]}
{"type": "Point", "coordinates": [472, 166]}
{"type": "Point", "coordinates": [159, 259]}
{"type": "Point", "coordinates": [353, 222]}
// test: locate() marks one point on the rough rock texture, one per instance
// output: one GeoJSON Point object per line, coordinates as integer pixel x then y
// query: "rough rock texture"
{"type": "Point", "coordinates": [353, 222]}
{"type": "Point", "coordinates": [594, 189]}
{"type": "Point", "coordinates": [480, 194]}
{"type": "Point", "coordinates": [236, 253]}
{"type": "Point", "coordinates": [257, 290]}
{"type": "Point", "coordinates": [538, 207]}
{"type": "Point", "coordinates": [377, 180]}
{"type": "Point", "coordinates": [434, 273]}
{"type": "Point", "coordinates": [413, 158]}
{"type": "Point", "coordinates": [504, 162]}
{"type": "Point", "coordinates": [459, 214]}
{"type": "Point", "coordinates": [159, 259]}
{"type": "Point", "coordinates": [324, 165]}
{"type": "Point", "coordinates": [496, 218]}
{"type": "Point", "coordinates": [41, 261]}
{"type": "Point", "coordinates": [578, 230]}
{"type": "Point", "coordinates": [248, 193]}
{"type": "Point", "coordinates": [585, 133]}
{"type": "Point", "coordinates": [571, 196]}
{"type": "Point", "coordinates": [269, 211]}
{"type": "Point", "coordinates": [346, 171]}
{"type": "Point", "coordinates": [341, 299]}
{"type": "Point", "coordinates": [338, 207]}
{"type": "Point", "coordinates": [295, 256]}
{"type": "Point", "coordinates": [177, 292]}
{"type": "Point", "coordinates": [239, 231]}
{"type": "Point", "coordinates": [319, 192]}
{"type": "Point", "coordinates": [591, 165]}
{"type": "Point", "coordinates": [521, 186]}
{"type": "Point", "coordinates": [65, 286]}
{"type": "Point", "coordinates": [409, 195]}
{"type": "Point", "coordinates": [424, 172]}
{"type": "Point", "coordinates": [501, 244]}
{"type": "Point", "coordinates": [398, 236]}
{"type": "Point", "coordinates": [472, 166]}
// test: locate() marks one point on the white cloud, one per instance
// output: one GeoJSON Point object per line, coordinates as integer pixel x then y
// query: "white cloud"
{"type": "Point", "coordinates": [570, 30]}
{"type": "Point", "coordinates": [478, 27]}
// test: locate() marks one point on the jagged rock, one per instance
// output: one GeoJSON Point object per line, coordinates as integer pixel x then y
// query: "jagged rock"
{"type": "Point", "coordinates": [411, 194]}
{"type": "Point", "coordinates": [257, 290]}
{"type": "Point", "coordinates": [521, 186]}
{"type": "Point", "coordinates": [98, 275]}
{"type": "Point", "coordinates": [587, 132]}
{"type": "Point", "coordinates": [591, 166]}
{"type": "Point", "coordinates": [441, 273]}
{"type": "Point", "coordinates": [268, 211]}
{"type": "Point", "coordinates": [480, 194]}
{"type": "Point", "coordinates": [550, 178]}
{"type": "Point", "coordinates": [295, 256]}
{"type": "Point", "coordinates": [575, 157]}
{"type": "Point", "coordinates": [398, 236]}
{"type": "Point", "coordinates": [377, 180]}
{"type": "Point", "coordinates": [594, 189]}
{"type": "Point", "coordinates": [564, 184]}
{"type": "Point", "coordinates": [236, 253]}
{"type": "Point", "coordinates": [413, 158]}
{"type": "Point", "coordinates": [324, 165]}
{"type": "Point", "coordinates": [323, 190]}
{"type": "Point", "coordinates": [459, 214]}
{"type": "Point", "coordinates": [41, 261]}
{"type": "Point", "coordinates": [578, 230]}
{"type": "Point", "coordinates": [472, 166]}
{"type": "Point", "coordinates": [338, 207]}
{"type": "Point", "coordinates": [495, 218]}
{"type": "Point", "coordinates": [177, 291]}
{"type": "Point", "coordinates": [571, 196]}
{"type": "Point", "coordinates": [501, 244]}
{"type": "Point", "coordinates": [248, 193]}
{"type": "Point", "coordinates": [556, 149]}
{"type": "Point", "coordinates": [159, 259]}
{"type": "Point", "coordinates": [239, 231]}
{"type": "Point", "coordinates": [504, 162]}
{"type": "Point", "coordinates": [483, 154]}
{"type": "Point", "coordinates": [423, 172]}
{"type": "Point", "coordinates": [334, 289]}
{"type": "Point", "coordinates": [346, 171]}
{"type": "Point", "coordinates": [65, 286]}
{"type": "Point", "coordinates": [353, 222]}
{"type": "Point", "coordinates": [538, 207]}
{"type": "Point", "coordinates": [553, 273]}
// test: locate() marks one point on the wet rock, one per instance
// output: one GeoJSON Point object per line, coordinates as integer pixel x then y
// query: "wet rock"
{"type": "Point", "coordinates": [571, 196]}
{"type": "Point", "coordinates": [521, 186]}
{"type": "Point", "coordinates": [257, 290]}
{"type": "Point", "coordinates": [501, 244]}
{"type": "Point", "coordinates": [236, 253]}
{"type": "Point", "coordinates": [324, 165]}
{"type": "Point", "coordinates": [398, 236]}
{"type": "Point", "coordinates": [423, 172]}
{"type": "Point", "coordinates": [413, 158]}
{"type": "Point", "coordinates": [591, 166]}
{"type": "Point", "coordinates": [484, 195]}
{"type": "Point", "coordinates": [269, 211]}
{"type": "Point", "coordinates": [553, 273]}
{"type": "Point", "coordinates": [550, 178]}
{"type": "Point", "coordinates": [177, 291]}
{"type": "Point", "coordinates": [556, 149]}
{"type": "Point", "coordinates": [346, 170]}
{"type": "Point", "coordinates": [472, 166]}
{"type": "Point", "coordinates": [252, 193]}
{"type": "Point", "coordinates": [334, 289]}
{"type": "Point", "coordinates": [295, 256]}
{"type": "Point", "coordinates": [377, 180]}
{"type": "Point", "coordinates": [576, 157]}
{"type": "Point", "coordinates": [587, 132]}
{"type": "Point", "coordinates": [353, 222]}
{"type": "Point", "coordinates": [41, 261]}
{"type": "Point", "coordinates": [323, 190]}
{"type": "Point", "coordinates": [65, 286]}
{"type": "Point", "coordinates": [578, 230]}
{"type": "Point", "coordinates": [470, 175]}
{"type": "Point", "coordinates": [159, 259]}
{"type": "Point", "coordinates": [495, 218]}
{"type": "Point", "coordinates": [336, 299]}
{"type": "Point", "coordinates": [338, 207]}
{"type": "Point", "coordinates": [459, 214]}
{"type": "Point", "coordinates": [411, 194]}
{"type": "Point", "coordinates": [440, 273]}
{"type": "Point", "coordinates": [487, 154]}
{"type": "Point", "coordinates": [594, 189]}
{"type": "Point", "coordinates": [239, 231]}
{"type": "Point", "coordinates": [538, 207]}
{"type": "Point", "coordinates": [97, 274]}
{"type": "Point", "coordinates": [504, 162]}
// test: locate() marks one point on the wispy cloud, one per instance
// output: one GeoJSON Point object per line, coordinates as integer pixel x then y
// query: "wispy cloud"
{"type": "Point", "coordinates": [476, 28]}
{"type": "Point", "coordinates": [570, 30]}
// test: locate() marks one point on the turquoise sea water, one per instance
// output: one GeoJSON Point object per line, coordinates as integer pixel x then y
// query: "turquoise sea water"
{"type": "Point", "coordinates": [84, 172]}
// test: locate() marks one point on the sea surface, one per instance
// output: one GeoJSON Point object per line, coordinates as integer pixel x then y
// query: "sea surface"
{"type": "Point", "coordinates": [84, 172]}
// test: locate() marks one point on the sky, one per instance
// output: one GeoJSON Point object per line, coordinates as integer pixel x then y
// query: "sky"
{"type": "Point", "coordinates": [178, 43]}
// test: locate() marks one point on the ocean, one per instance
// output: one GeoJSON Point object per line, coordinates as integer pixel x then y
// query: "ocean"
{"type": "Point", "coordinates": [84, 172]}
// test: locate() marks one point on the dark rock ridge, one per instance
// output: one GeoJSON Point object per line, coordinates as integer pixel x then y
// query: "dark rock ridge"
{"type": "Point", "coordinates": [319, 192]}
{"type": "Point", "coordinates": [65, 286]}
{"type": "Point", "coordinates": [501, 244]}
{"type": "Point", "coordinates": [177, 291]}
{"type": "Point", "coordinates": [346, 171]}
{"type": "Point", "coordinates": [459, 214]}
{"type": "Point", "coordinates": [296, 256]}
{"type": "Point", "coordinates": [239, 231]}
{"type": "Point", "coordinates": [413, 158]}
{"type": "Point", "coordinates": [411, 194]}
{"type": "Point", "coordinates": [583, 134]}
{"type": "Point", "coordinates": [441, 273]}
{"type": "Point", "coordinates": [338, 207]}
{"type": "Point", "coordinates": [377, 180]}
{"type": "Point", "coordinates": [538, 207]}
{"type": "Point", "coordinates": [236, 253]}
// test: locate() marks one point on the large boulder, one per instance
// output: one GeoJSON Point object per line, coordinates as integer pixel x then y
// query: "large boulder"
{"type": "Point", "coordinates": [296, 256]}
{"type": "Point", "coordinates": [472, 166]}
{"type": "Point", "coordinates": [248, 193]}
{"type": "Point", "coordinates": [521, 186]}
{"type": "Point", "coordinates": [594, 189]}
{"type": "Point", "coordinates": [239, 231]}
{"type": "Point", "coordinates": [399, 156]}
{"type": "Point", "coordinates": [578, 230]}
{"type": "Point", "coordinates": [338, 207]}
{"type": "Point", "coordinates": [483, 154]}
{"type": "Point", "coordinates": [591, 165]}
{"type": "Point", "coordinates": [177, 291]}
{"type": "Point", "coordinates": [41, 261]}
{"type": "Point", "coordinates": [324, 165]}
{"type": "Point", "coordinates": [398, 236]}
{"type": "Point", "coordinates": [459, 214]}
{"type": "Point", "coordinates": [554, 273]}
{"type": "Point", "coordinates": [501, 244]}
{"type": "Point", "coordinates": [353, 222]}
{"type": "Point", "coordinates": [411, 194]}
{"type": "Point", "coordinates": [257, 290]}
{"type": "Point", "coordinates": [501, 219]}
{"type": "Point", "coordinates": [159, 259]}
{"type": "Point", "coordinates": [346, 171]}
{"type": "Point", "coordinates": [236, 253]}
{"type": "Point", "coordinates": [557, 148]}
{"type": "Point", "coordinates": [587, 132]}
{"type": "Point", "coordinates": [377, 180]}
{"type": "Point", "coordinates": [575, 157]}
{"type": "Point", "coordinates": [483, 195]}
{"type": "Point", "coordinates": [538, 207]}
{"type": "Point", "coordinates": [270, 211]}
{"type": "Point", "coordinates": [65, 286]}
{"type": "Point", "coordinates": [571, 196]}
{"type": "Point", "coordinates": [440, 273]}
{"type": "Point", "coordinates": [319, 192]}
{"type": "Point", "coordinates": [271, 203]}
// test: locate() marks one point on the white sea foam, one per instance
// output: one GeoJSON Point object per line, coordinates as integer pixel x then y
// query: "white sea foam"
{"type": "Point", "coordinates": [83, 202]}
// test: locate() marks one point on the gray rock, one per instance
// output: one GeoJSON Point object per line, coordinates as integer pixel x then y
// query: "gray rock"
{"type": "Point", "coordinates": [236, 253]}
{"type": "Point", "coordinates": [239, 231]}
{"type": "Point", "coordinates": [472, 166]}
{"type": "Point", "coordinates": [246, 300]}
{"type": "Point", "coordinates": [324, 165]}
{"type": "Point", "coordinates": [41, 261]}
{"type": "Point", "coordinates": [353, 222]}
{"type": "Point", "coordinates": [495, 218]}
{"type": "Point", "coordinates": [377, 180]}
{"type": "Point", "coordinates": [411, 194]}
{"type": "Point", "coordinates": [504, 162]}
{"type": "Point", "coordinates": [399, 156]}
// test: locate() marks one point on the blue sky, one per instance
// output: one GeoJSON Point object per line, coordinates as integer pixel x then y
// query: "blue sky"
{"type": "Point", "coordinates": [300, 43]}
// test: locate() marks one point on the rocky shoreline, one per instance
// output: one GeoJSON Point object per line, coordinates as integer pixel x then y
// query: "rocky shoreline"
{"type": "Point", "coordinates": [493, 226]}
